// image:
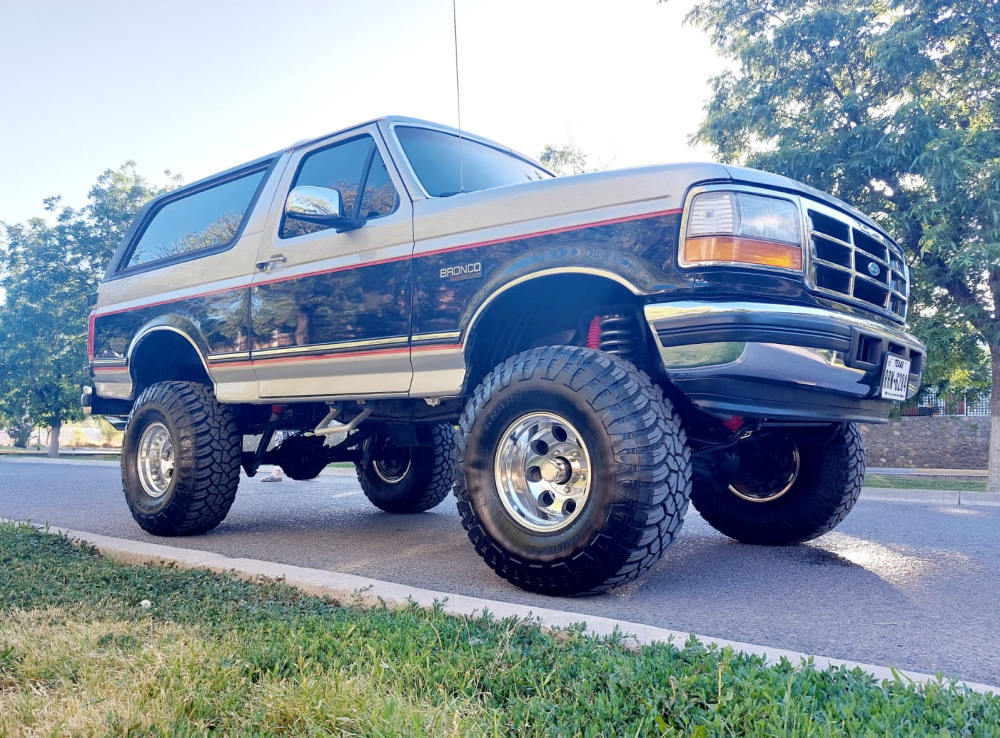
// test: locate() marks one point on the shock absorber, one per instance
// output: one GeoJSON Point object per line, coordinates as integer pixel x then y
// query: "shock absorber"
{"type": "Point", "coordinates": [617, 334]}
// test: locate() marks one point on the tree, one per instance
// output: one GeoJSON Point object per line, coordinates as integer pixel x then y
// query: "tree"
{"type": "Point", "coordinates": [46, 272]}
{"type": "Point", "coordinates": [894, 106]}
{"type": "Point", "coordinates": [564, 159]}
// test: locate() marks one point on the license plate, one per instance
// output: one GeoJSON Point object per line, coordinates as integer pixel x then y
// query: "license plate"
{"type": "Point", "coordinates": [895, 378]}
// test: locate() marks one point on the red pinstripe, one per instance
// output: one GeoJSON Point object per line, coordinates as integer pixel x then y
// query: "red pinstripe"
{"type": "Point", "coordinates": [450, 249]}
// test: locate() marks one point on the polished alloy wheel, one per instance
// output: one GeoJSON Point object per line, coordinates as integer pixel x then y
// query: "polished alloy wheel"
{"type": "Point", "coordinates": [156, 460]}
{"type": "Point", "coordinates": [542, 472]}
{"type": "Point", "coordinates": [769, 468]}
{"type": "Point", "coordinates": [392, 471]}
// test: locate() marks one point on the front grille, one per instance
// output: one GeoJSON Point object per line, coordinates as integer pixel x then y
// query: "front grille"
{"type": "Point", "coordinates": [856, 263]}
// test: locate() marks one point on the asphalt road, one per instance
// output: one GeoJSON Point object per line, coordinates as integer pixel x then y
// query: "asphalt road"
{"type": "Point", "coordinates": [907, 585]}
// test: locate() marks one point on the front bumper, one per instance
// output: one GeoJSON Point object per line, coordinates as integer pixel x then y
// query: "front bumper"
{"type": "Point", "coordinates": [781, 362]}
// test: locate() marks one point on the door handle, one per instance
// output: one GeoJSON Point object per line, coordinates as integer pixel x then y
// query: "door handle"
{"type": "Point", "coordinates": [273, 261]}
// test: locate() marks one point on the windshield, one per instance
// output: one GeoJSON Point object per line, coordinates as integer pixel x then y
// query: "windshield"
{"type": "Point", "coordinates": [435, 156]}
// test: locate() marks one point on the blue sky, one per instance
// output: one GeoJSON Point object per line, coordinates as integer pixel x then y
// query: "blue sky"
{"type": "Point", "coordinates": [196, 87]}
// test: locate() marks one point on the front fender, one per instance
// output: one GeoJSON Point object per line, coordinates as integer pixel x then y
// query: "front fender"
{"type": "Point", "coordinates": [635, 274]}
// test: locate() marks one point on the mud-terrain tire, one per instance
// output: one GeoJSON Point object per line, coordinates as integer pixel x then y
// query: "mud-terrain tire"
{"type": "Point", "coordinates": [302, 457]}
{"type": "Point", "coordinates": [410, 479]}
{"type": "Point", "coordinates": [573, 472]}
{"type": "Point", "coordinates": [828, 479]}
{"type": "Point", "coordinates": [180, 459]}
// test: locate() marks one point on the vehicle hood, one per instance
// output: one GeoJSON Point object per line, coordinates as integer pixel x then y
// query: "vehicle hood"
{"type": "Point", "coordinates": [779, 182]}
{"type": "Point", "coordinates": [579, 198]}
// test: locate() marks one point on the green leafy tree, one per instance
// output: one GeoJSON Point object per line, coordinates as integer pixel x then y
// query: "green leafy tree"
{"type": "Point", "coordinates": [894, 106]}
{"type": "Point", "coordinates": [47, 269]}
{"type": "Point", "coordinates": [564, 160]}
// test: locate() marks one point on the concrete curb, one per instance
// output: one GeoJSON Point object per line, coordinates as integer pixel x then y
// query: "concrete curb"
{"type": "Point", "coordinates": [365, 592]}
{"type": "Point", "coordinates": [901, 471]}
{"type": "Point", "coordinates": [925, 496]}
{"type": "Point", "coordinates": [931, 497]}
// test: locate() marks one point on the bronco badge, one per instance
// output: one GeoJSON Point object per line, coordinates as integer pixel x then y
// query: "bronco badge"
{"type": "Point", "coordinates": [465, 271]}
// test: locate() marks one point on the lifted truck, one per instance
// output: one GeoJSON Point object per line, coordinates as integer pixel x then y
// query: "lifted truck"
{"type": "Point", "coordinates": [608, 345]}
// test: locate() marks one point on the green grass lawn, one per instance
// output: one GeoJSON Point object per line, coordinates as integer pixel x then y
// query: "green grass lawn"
{"type": "Point", "coordinates": [915, 481]}
{"type": "Point", "coordinates": [89, 646]}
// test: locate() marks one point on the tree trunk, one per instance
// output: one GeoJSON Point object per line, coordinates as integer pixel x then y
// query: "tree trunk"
{"type": "Point", "coordinates": [993, 481]}
{"type": "Point", "coordinates": [54, 437]}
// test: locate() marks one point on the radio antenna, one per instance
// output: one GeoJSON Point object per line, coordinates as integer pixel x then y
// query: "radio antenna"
{"type": "Point", "coordinates": [458, 100]}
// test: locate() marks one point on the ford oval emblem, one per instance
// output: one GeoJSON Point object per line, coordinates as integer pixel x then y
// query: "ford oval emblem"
{"type": "Point", "coordinates": [873, 269]}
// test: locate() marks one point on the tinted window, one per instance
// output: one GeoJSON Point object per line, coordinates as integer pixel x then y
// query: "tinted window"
{"type": "Point", "coordinates": [436, 156]}
{"type": "Point", "coordinates": [205, 218]}
{"type": "Point", "coordinates": [342, 167]}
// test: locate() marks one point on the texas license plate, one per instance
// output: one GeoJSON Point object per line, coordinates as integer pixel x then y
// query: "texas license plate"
{"type": "Point", "coordinates": [895, 378]}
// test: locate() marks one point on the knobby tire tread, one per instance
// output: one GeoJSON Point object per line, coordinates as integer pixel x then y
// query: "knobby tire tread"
{"type": "Point", "coordinates": [208, 467]}
{"type": "Point", "coordinates": [824, 497]}
{"type": "Point", "coordinates": [651, 473]}
{"type": "Point", "coordinates": [432, 470]}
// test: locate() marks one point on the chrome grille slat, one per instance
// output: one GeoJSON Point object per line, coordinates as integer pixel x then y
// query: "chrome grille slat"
{"type": "Point", "coordinates": [841, 251]}
{"type": "Point", "coordinates": [831, 265]}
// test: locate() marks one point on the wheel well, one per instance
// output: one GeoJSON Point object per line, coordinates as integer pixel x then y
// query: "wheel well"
{"type": "Point", "coordinates": [551, 310]}
{"type": "Point", "coordinates": [163, 356]}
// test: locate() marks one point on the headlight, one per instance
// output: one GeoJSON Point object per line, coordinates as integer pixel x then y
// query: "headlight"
{"type": "Point", "coordinates": [740, 228]}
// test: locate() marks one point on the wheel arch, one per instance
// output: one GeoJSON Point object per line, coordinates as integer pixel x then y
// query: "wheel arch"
{"type": "Point", "coordinates": [547, 306]}
{"type": "Point", "coordinates": [167, 350]}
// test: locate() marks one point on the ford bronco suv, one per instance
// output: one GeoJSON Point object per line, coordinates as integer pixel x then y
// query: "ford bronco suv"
{"type": "Point", "coordinates": [575, 356]}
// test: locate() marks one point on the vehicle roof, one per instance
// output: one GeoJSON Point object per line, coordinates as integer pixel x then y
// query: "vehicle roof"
{"type": "Point", "coordinates": [390, 120]}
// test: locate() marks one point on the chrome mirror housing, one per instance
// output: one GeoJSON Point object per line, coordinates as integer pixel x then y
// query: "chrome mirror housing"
{"type": "Point", "coordinates": [315, 205]}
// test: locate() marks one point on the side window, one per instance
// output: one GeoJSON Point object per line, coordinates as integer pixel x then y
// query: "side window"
{"type": "Point", "coordinates": [207, 217]}
{"type": "Point", "coordinates": [342, 167]}
{"type": "Point", "coordinates": [447, 165]}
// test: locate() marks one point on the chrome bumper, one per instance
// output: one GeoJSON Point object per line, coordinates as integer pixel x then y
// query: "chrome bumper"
{"type": "Point", "coordinates": [781, 361]}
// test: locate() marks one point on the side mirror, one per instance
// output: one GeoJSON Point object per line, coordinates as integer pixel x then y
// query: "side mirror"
{"type": "Point", "coordinates": [320, 205]}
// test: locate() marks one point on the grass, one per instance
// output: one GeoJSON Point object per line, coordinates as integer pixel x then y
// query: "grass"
{"type": "Point", "coordinates": [92, 647]}
{"type": "Point", "coordinates": [916, 481]}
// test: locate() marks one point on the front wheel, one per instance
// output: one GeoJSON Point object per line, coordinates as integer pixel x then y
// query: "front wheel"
{"type": "Point", "coordinates": [573, 472]}
{"type": "Point", "coordinates": [180, 459]}
{"type": "Point", "coordinates": [408, 479]}
{"type": "Point", "coordinates": [788, 486]}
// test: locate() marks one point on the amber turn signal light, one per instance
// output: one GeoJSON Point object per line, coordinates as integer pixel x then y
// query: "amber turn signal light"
{"type": "Point", "coordinates": [738, 250]}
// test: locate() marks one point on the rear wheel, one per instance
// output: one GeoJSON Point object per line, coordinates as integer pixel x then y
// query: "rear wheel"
{"type": "Point", "coordinates": [787, 486]}
{"type": "Point", "coordinates": [180, 459]}
{"type": "Point", "coordinates": [408, 479]}
{"type": "Point", "coordinates": [573, 472]}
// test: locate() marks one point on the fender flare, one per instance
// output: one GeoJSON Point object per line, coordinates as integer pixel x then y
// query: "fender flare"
{"type": "Point", "coordinates": [601, 260]}
{"type": "Point", "coordinates": [171, 324]}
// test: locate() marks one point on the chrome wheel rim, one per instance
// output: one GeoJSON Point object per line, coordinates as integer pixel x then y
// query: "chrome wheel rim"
{"type": "Point", "coordinates": [542, 472]}
{"type": "Point", "coordinates": [783, 471]}
{"type": "Point", "coordinates": [156, 460]}
{"type": "Point", "coordinates": [391, 471]}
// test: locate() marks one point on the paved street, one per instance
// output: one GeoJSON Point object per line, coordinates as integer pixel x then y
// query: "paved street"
{"type": "Point", "coordinates": [908, 585]}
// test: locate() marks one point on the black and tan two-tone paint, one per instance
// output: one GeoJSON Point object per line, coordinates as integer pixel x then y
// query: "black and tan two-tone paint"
{"type": "Point", "coordinates": [355, 319]}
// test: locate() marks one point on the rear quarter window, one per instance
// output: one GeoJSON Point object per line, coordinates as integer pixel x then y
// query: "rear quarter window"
{"type": "Point", "coordinates": [207, 217]}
